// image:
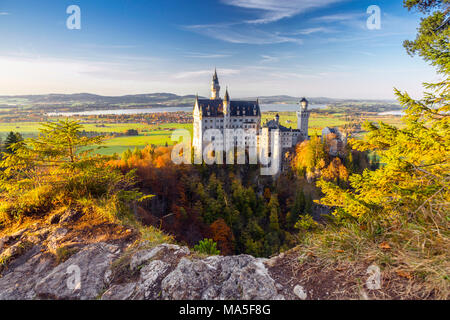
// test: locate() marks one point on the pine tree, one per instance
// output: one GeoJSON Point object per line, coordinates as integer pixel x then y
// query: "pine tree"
{"type": "Point", "coordinates": [60, 150]}
{"type": "Point", "coordinates": [137, 153]}
{"type": "Point", "coordinates": [126, 155]}
{"type": "Point", "coordinates": [432, 41]}
{"type": "Point", "coordinates": [297, 209]}
{"type": "Point", "coordinates": [11, 139]}
{"type": "Point", "coordinates": [274, 209]}
{"type": "Point", "coordinates": [416, 157]}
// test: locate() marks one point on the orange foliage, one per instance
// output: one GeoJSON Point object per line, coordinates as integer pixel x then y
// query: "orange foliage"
{"type": "Point", "coordinates": [336, 171]}
{"type": "Point", "coordinates": [267, 194]}
{"type": "Point", "coordinates": [146, 158]}
{"type": "Point", "coordinates": [222, 234]}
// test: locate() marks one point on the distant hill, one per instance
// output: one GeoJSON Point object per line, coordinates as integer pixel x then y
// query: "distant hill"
{"type": "Point", "coordinates": [87, 98]}
{"type": "Point", "coordinates": [148, 100]}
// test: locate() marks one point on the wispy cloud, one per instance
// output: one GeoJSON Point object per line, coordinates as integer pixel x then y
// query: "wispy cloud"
{"type": "Point", "coordinates": [206, 55]}
{"type": "Point", "coordinates": [354, 20]}
{"type": "Point", "coordinates": [339, 17]}
{"type": "Point", "coordinates": [266, 11]}
{"type": "Point", "coordinates": [3, 13]}
{"type": "Point", "coordinates": [201, 73]}
{"type": "Point", "coordinates": [309, 31]}
{"type": "Point", "coordinates": [249, 35]}
{"type": "Point", "coordinates": [380, 37]}
{"type": "Point", "coordinates": [274, 10]}
{"type": "Point", "coordinates": [268, 59]}
{"type": "Point", "coordinates": [109, 46]}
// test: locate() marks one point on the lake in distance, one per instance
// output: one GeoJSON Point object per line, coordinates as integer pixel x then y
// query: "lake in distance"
{"type": "Point", "coordinates": [264, 107]}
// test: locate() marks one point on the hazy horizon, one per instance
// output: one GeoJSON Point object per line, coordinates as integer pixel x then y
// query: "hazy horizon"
{"type": "Point", "coordinates": [185, 95]}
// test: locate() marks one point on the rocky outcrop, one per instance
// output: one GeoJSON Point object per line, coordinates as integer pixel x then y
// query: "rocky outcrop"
{"type": "Point", "coordinates": [86, 270]}
{"type": "Point", "coordinates": [224, 278]}
{"type": "Point", "coordinates": [170, 272]}
{"type": "Point", "coordinates": [120, 271]}
{"type": "Point", "coordinates": [19, 281]}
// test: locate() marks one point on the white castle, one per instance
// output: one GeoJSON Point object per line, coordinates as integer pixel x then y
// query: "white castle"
{"type": "Point", "coordinates": [212, 118]}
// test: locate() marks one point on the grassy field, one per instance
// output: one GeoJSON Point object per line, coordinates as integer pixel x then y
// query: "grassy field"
{"type": "Point", "coordinates": [25, 128]}
{"type": "Point", "coordinates": [32, 128]}
{"type": "Point", "coordinates": [161, 134]}
{"type": "Point", "coordinates": [155, 136]}
{"type": "Point", "coordinates": [316, 122]}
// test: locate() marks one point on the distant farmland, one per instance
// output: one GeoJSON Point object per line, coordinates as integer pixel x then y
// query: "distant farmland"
{"type": "Point", "coordinates": [161, 134]}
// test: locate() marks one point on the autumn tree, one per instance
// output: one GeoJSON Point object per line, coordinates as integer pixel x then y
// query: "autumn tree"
{"type": "Point", "coordinates": [310, 157]}
{"type": "Point", "coordinates": [267, 194]}
{"type": "Point", "coordinates": [416, 157]}
{"type": "Point", "coordinates": [403, 206]}
{"type": "Point", "coordinates": [223, 236]}
{"type": "Point", "coordinates": [336, 172]}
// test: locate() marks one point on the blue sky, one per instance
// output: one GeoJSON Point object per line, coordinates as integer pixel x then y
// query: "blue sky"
{"type": "Point", "coordinates": [260, 47]}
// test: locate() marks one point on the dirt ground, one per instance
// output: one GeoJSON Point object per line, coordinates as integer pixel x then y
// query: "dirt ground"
{"type": "Point", "coordinates": [339, 281]}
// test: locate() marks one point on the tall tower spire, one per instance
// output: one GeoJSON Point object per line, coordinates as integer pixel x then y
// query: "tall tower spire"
{"type": "Point", "coordinates": [227, 96]}
{"type": "Point", "coordinates": [303, 118]}
{"type": "Point", "coordinates": [215, 87]}
{"type": "Point", "coordinates": [226, 103]}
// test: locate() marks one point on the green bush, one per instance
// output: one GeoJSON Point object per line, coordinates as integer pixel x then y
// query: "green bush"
{"type": "Point", "coordinates": [207, 246]}
{"type": "Point", "coordinates": [33, 202]}
{"type": "Point", "coordinates": [306, 222]}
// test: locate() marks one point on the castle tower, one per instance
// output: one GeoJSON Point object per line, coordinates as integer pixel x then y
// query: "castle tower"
{"type": "Point", "coordinates": [226, 119]}
{"type": "Point", "coordinates": [215, 87]}
{"type": "Point", "coordinates": [303, 118]}
{"type": "Point", "coordinates": [197, 142]}
{"type": "Point", "coordinates": [226, 103]}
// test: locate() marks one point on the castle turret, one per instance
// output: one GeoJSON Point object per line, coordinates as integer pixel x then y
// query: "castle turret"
{"type": "Point", "coordinates": [226, 103]}
{"type": "Point", "coordinates": [215, 87]}
{"type": "Point", "coordinates": [303, 118]}
{"type": "Point", "coordinates": [226, 117]}
{"type": "Point", "coordinates": [304, 103]}
{"type": "Point", "coordinates": [198, 126]}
